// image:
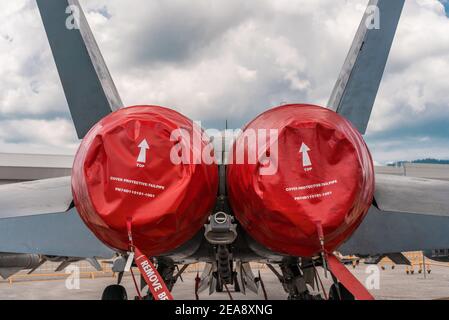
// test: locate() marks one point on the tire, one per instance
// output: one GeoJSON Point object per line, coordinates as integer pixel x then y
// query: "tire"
{"type": "Point", "coordinates": [114, 293]}
{"type": "Point", "coordinates": [345, 294]}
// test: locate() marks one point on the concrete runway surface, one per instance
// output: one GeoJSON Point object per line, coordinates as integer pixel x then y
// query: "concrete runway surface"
{"type": "Point", "coordinates": [393, 284]}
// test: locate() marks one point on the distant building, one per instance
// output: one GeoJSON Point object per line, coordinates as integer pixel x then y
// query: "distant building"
{"type": "Point", "coordinates": [27, 167]}
{"type": "Point", "coordinates": [428, 171]}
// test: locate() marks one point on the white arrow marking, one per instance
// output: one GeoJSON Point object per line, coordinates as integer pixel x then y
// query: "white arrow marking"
{"type": "Point", "coordinates": [143, 151]}
{"type": "Point", "coordinates": [306, 162]}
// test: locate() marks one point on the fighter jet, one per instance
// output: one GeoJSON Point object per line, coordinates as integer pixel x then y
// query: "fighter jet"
{"type": "Point", "coordinates": [135, 201]}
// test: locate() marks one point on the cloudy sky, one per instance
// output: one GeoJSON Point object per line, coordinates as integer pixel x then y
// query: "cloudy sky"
{"type": "Point", "coordinates": [218, 60]}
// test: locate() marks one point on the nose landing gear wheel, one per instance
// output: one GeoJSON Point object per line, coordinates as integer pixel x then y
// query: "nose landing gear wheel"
{"type": "Point", "coordinates": [115, 292]}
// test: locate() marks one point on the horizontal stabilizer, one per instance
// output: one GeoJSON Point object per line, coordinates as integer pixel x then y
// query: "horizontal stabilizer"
{"type": "Point", "coordinates": [59, 234]}
{"type": "Point", "coordinates": [412, 195]}
{"type": "Point", "coordinates": [35, 197]}
{"type": "Point", "coordinates": [384, 232]}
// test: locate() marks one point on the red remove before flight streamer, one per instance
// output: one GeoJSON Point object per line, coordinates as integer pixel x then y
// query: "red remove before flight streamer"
{"type": "Point", "coordinates": [324, 179]}
{"type": "Point", "coordinates": [123, 170]}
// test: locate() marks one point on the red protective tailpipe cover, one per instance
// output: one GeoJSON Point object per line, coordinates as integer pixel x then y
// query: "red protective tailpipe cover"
{"type": "Point", "coordinates": [323, 185]}
{"type": "Point", "coordinates": [124, 170]}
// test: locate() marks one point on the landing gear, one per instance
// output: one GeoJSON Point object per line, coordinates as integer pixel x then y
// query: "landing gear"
{"type": "Point", "coordinates": [166, 269]}
{"type": "Point", "coordinates": [344, 295]}
{"type": "Point", "coordinates": [115, 292]}
{"type": "Point", "coordinates": [224, 264]}
{"type": "Point", "coordinates": [236, 283]}
{"type": "Point", "coordinates": [293, 280]}
{"type": "Point", "coordinates": [225, 275]}
{"type": "Point", "coordinates": [219, 286]}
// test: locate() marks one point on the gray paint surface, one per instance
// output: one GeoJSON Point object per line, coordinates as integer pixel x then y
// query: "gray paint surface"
{"type": "Point", "coordinates": [412, 215]}
{"type": "Point", "coordinates": [91, 95]}
{"type": "Point", "coordinates": [30, 160]}
{"type": "Point", "coordinates": [412, 195]}
{"type": "Point", "coordinates": [356, 89]}
{"type": "Point", "coordinates": [59, 234]}
{"type": "Point", "coordinates": [19, 167]}
{"type": "Point", "coordinates": [22, 174]}
{"type": "Point", "coordinates": [390, 232]}
{"type": "Point", "coordinates": [35, 197]}
{"type": "Point", "coordinates": [88, 85]}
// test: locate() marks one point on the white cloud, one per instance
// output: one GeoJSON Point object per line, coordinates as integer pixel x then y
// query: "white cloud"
{"type": "Point", "coordinates": [28, 80]}
{"type": "Point", "coordinates": [38, 136]}
{"type": "Point", "coordinates": [231, 60]}
{"type": "Point", "coordinates": [414, 87]}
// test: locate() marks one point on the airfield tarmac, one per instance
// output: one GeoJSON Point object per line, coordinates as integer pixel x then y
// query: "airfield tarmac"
{"type": "Point", "coordinates": [394, 284]}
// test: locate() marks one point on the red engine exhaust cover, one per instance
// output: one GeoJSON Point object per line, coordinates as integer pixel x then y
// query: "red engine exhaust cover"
{"type": "Point", "coordinates": [123, 170]}
{"type": "Point", "coordinates": [324, 178]}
